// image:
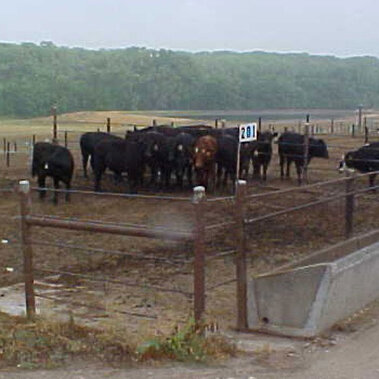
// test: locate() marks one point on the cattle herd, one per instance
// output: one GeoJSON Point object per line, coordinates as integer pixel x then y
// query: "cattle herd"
{"type": "Point", "coordinates": [192, 155]}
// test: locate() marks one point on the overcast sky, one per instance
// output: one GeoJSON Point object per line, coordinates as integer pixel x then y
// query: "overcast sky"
{"type": "Point", "coordinates": [334, 27]}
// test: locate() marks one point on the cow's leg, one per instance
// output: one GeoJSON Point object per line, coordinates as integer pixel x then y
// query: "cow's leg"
{"type": "Point", "coordinates": [42, 184]}
{"type": "Point", "coordinates": [371, 179]}
{"type": "Point", "coordinates": [211, 176]}
{"type": "Point", "coordinates": [289, 161]}
{"type": "Point", "coordinates": [281, 163]}
{"type": "Point", "coordinates": [167, 176]}
{"type": "Point", "coordinates": [68, 187]}
{"type": "Point", "coordinates": [85, 162]}
{"type": "Point", "coordinates": [98, 174]}
{"type": "Point", "coordinates": [219, 175]}
{"type": "Point", "coordinates": [189, 175]}
{"type": "Point", "coordinates": [225, 181]}
{"type": "Point", "coordinates": [133, 181]}
{"type": "Point", "coordinates": [265, 165]}
{"type": "Point", "coordinates": [179, 177]}
{"type": "Point", "coordinates": [299, 171]}
{"type": "Point", "coordinates": [154, 174]}
{"type": "Point", "coordinates": [233, 178]}
{"type": "Point", "coordinates": [56, 187]}
{"type": "Point", "coordinates": [117, 177]}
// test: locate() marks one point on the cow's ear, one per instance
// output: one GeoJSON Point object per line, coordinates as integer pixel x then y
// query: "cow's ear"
{"type": "Point", "coordinates": [275, 134]}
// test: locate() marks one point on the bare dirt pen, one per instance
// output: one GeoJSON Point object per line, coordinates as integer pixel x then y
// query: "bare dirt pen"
{"type": "Point", "coordinates": [140, 310]}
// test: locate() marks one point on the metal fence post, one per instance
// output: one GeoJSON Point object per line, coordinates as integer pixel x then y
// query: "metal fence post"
{"type": "Point", "coordinates": [26, 246]}
{"type": "Point", "coordinates": [349, 206]}
{"type": "Point", "coordinates": [65, 139]}
{"type": "Point", "coordinates": [199, 259]}
{"type": "Point", "coordinates": [241, 270]}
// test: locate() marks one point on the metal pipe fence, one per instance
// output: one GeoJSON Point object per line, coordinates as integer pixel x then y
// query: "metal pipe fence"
{"type": "Point", "coordinates": [238, 226]}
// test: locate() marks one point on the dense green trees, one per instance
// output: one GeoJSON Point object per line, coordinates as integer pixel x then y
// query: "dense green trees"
{"type": "Point", "coordinates": [33, 77]}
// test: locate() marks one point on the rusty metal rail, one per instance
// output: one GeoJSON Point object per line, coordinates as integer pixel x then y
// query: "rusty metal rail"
{"type": "Point", "coordinates": [63, 223]}
{"type": "Point", "coordinates": [306, 187]}
{"type": "Point", "coordinates": [308, 205]}
{"type": "Point", "coordinates": [91, 250]}
{"type": "Point", "coordinates": [113, 194]}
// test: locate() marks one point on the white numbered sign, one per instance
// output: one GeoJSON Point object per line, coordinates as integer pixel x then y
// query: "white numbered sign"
{"type": "Point", "coordinates": [248, 132]}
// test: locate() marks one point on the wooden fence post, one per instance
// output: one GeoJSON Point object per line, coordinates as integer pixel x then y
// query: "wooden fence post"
{"type": "Point", "coordinates": [199, 259]}
{"type": "Point", "coordinates": [241, 270]}
{"type": "Point", "coordinates": [15, 147]}
{"type": "Point", "coordinates": [154, 122]}
{"type": "Point", "coordinates": [349, 207]}
{"type": "Point", "coordinates": [108, 124]}
{"type": "Point", "coordinates": [5, 146]}
{"type": "Point", "coordinates": [259, 124]}
{"type": "Point", "coordinates": [353, 130]}
{"type": "Point", "coordinates": [25, 209]}
{"type": "Point", "coordinates": [332, 126]}
{"type": "Point", "coordinates": [33, 139]}
{"type": "Point", "coordinates": [306, 151]}
{"type": "Point", "coordinates": [366, 134]}
{"type": "Point", "coordinates": [8, 150]}
{"type": "Point", "coordinates": [55, 128]}
{"type": "Point", "coordinates": [65, 139]}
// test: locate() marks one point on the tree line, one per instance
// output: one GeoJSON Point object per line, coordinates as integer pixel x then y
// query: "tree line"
{"type": "Point", "coordinates": [35, 77]}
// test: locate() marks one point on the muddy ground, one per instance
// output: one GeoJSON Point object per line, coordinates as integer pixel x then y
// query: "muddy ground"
{"type": "Point", "coordinates": [134, 306]}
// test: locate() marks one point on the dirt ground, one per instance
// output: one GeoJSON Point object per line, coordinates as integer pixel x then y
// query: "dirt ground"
{"type": "Point", "coordinates": [135, 307]}
{"type": "Point", "coordinates": [350, 351]}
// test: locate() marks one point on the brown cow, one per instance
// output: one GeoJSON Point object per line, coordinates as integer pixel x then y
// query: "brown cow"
{"type": "Point", "coordinates": [205, 151]}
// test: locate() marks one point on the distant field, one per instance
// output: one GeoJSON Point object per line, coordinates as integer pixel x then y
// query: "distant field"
{"type": "Point", "coordinates": [122, 120]}
{"type": "Point", "coordinates": [86, 121]}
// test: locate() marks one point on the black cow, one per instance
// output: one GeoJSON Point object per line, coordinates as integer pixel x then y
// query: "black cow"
{"type": "Point", "coordinates": [291, 149]}
{"type": "Point", "coordinates": [226, 158]}
{"type": "Point", "coordinates": [262, 153]}
{"type": "Point", "coordinates": [88, 141]}
{"type": "Point", "coordinates": [365, 159]}
{"type": "Point", "coordinates": [54, 161]}
{"type": "Point", "coordinates": [119, 156]}
{"type": "Point", "coordinates": [181, 156]}
{"type": "Point", "coordinates": [157, 156]}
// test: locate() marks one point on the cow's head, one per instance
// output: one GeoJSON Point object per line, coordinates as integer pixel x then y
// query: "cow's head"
{"type": "Point", "coordinates": [204, 153]}
{"type": "Point", "coordinates": [318, 148]}
{"type": "Point", "coordinates": [346, 162]}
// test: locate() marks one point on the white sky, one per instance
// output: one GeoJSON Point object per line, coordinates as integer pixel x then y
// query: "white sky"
{"type": "Point", "coordinates": [335, 27]}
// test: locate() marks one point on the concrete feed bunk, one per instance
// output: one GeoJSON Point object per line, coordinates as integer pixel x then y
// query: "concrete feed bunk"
{"type": "Point", "coordinates": [306, 301]}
